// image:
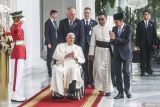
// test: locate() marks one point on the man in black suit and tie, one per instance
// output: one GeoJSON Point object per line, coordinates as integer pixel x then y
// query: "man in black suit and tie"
{"type": "Point", "coordinates": [88, 26]}
{"type": "Point", "coordinates": [121, 40]}
{"type": "Point", "coordinates": [146, 35]}
{"type": "Point", "coordinates": [72, 24]}
{"type": "Point", "coordinates": [51, 38]}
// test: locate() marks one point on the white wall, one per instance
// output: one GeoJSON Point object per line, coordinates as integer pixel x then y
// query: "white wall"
{"type": "Point", "coordinates": [91, 4]}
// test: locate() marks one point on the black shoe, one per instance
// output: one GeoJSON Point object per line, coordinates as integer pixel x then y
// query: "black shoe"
{"type": "Point", "coordinates": [71, 96]}
{"type": "Point", "coordinates": [18, 101]}
{"type": "Point", "coordinates": [142, 74]}
{"type": "Point", "coordinates": [128, 94]}
{"type": "Point", "coordinates": [57, 96]}
{"type": "Point", "coordinates": [108, 94]}
{"type": "Point", "coordinates": [120, 95]}
{"type": "Point", "coordinates": [72, 86]}
{"type": "Point", "coordinates": [150, 72]}
{"type": "Point", "coordinates": [92, 85]}
{"type": "Point", "coordinates": [49, 75]}
{"type": "Point", "coordinates": [86, 84]}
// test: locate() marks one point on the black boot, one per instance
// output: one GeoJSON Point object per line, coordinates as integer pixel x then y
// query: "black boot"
{"type": "Point", "coordinates": [72, 86]}
{"type": "Point", "coordinates": [120, 95]}
{"type": "Point", "coordinates": [56, 95]}
{"type": "Point", "coordinates": [128, 94]}
{"type": "Point", "coordinates": [72, 90]}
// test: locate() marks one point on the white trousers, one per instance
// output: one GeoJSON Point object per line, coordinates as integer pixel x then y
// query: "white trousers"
{"type": "Point", "coordinates": [18, 70]}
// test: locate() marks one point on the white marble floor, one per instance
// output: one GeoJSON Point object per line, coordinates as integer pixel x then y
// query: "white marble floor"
{"type": "Point", "coordinates": [145, 90]}
{"type": "Point", "coordinates": [145, 93]}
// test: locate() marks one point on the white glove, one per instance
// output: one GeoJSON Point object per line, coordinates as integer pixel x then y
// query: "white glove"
{"type": "Point", "coordinates": [23, 19]}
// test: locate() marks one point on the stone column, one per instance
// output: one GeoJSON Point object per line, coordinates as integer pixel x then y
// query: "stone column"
{"type": "Point", "coordinates": [4, 71]}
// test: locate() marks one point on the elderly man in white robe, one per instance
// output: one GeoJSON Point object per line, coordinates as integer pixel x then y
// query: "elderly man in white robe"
{"type": "Point", "coordinates": [100, 54]}
{"type": "Point", "coordinates": [66, 75]}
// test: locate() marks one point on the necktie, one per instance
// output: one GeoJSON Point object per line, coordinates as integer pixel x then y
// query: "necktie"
{"type": "Point", "coordinates": [71, 25]}
{"type": "Point", "coordinates": [146, 24]}
{"type": "Point", "coordinates": [55, 26]}
{"type": "Point", "coordinates": [87, 23]}
{"type": "Point", "coordinates": [119, 31]}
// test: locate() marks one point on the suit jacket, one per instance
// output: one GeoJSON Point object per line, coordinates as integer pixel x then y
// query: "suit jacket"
{"type": "Point", "coordinates": [78, 30]}
{"type": "Point", "coordinates": [122, 44]}
{"type": "Point", "coordinates": [50, 34]}
{"type": "Point", "coordinates": [144, 35]}
{"type": "Point", "coordinates": [88, 30]}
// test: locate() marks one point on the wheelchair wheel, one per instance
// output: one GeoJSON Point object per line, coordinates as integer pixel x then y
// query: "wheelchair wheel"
{"type": "Point", "coordinates": [78, 95]}
{"type": "Point", "coordinates": [82, 89]}
{"type": "Point", "coordinates": [81, 93]}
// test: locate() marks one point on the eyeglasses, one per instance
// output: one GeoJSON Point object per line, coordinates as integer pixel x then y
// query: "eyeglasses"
{"type": "Point", "coordinates": [100, 19]}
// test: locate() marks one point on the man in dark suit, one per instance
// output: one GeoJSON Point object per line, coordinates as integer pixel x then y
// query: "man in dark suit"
{"type": "Point", "coordinates": [146, 35]}
{"type": "Point", "coordinates": [121, 40]}
{"type": "Point", "coordinates": [72, 24]}
{"type": "Point", "coordinates": [51, 38]}
{"type": "Point", "coordinates": [88, 26]}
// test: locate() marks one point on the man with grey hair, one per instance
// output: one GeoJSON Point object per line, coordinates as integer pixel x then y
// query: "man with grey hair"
{"type": "Point", "coordinates": [72, 24]}
{"type": "Point", "coordinates": [68, 56]}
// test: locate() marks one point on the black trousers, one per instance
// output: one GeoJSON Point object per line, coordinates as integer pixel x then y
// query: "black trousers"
{"type": "Point", "coordinates": [50, 52]}
{"type": "Point", "coordinates": [122, 66]}
{"type": "Point", "coordinates": [87, 67]}
{"type": "Point", "coordinates": [145, 58]}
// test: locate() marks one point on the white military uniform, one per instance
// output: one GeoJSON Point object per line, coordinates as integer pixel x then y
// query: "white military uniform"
{"type": "Point", "coordinates": [66, 69]}
{"type": "Point", "coordinates": [102, 59]}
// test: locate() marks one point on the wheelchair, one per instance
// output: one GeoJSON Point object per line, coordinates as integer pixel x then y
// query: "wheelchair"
{"type": "Point", "coordinates": [78, 93]}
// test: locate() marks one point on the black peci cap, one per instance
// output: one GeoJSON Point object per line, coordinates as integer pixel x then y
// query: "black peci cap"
{"type": "Point", "coordinates": [118, 16]}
